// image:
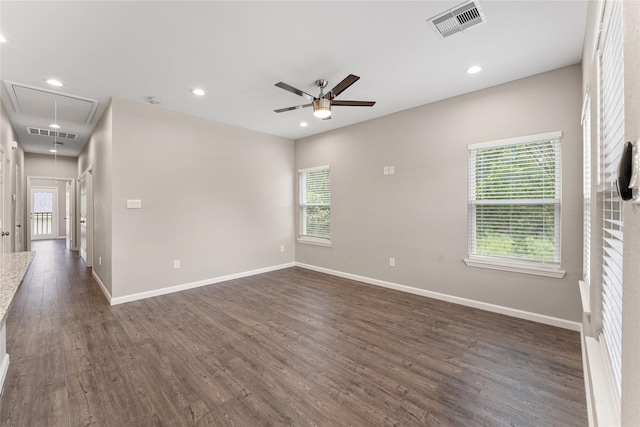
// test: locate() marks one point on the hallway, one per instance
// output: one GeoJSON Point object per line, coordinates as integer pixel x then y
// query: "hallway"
{"type": "Point", "coordinates": [57, 302]}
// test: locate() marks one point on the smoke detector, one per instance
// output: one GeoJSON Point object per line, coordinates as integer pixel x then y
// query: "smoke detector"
{"type": "Point", "coordinates": [458, 19]}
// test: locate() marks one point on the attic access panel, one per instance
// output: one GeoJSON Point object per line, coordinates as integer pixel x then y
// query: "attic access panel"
{"type": "Point", "coordinates": [40, 102]}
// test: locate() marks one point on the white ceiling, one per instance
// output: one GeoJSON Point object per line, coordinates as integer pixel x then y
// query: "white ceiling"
{"type": "Point", "coordinates": [236, 51]}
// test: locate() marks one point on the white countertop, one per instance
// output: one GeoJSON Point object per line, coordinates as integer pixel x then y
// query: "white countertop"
{"type": "Point", "coordinates": [13, 267]}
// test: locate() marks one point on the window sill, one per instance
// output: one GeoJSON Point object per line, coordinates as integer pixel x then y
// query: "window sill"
{"type": "Point", "coordinates": [315, 241]}
{"type": "Point", "coordinates": [536, 270]}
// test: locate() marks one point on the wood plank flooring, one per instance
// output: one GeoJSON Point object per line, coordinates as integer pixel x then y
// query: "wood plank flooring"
{"type": "Point", "coordinates": [292, 347]}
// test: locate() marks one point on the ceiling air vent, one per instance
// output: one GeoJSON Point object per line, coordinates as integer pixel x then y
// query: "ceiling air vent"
{"type": "Point", "coordinates": [47, 132]}
{"type": "Point", "coordinates": [458, 19]}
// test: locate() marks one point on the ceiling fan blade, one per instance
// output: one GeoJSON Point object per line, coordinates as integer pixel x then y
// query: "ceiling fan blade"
{"type": "Point", "coordinates": [292, 89]}
{"type": "Point", "coordinates": [297, 107]}
{"type": "Point", "coordinates": [353, 103]}
{"type": "Point", "coordinates": [343, 85]}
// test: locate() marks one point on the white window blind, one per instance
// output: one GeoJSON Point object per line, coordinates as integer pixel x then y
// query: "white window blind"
{"type": "Point", "coordinates": [586, 192]}
{"type": "Point", "coordinates": [514, 199]}
{"type": "Point", "coordinates": [315, 203]}
{"type": "Point", "coordinates": [612, 143]}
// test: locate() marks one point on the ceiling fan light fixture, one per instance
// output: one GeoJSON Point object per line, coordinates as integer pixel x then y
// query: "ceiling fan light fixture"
{"type": "Point", "coordinates": [321, 108]}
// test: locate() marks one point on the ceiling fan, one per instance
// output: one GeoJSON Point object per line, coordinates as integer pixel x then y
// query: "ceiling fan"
{"type": "Point", "coordinates": [323, 103]}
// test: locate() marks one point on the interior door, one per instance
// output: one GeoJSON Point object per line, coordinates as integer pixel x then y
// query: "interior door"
{"type": "Point", "coordinates": [44, 213]}
{"type": "Point", "coordinates": [83, 219]}
{"type": "Point", "coordinates": [3, 233]}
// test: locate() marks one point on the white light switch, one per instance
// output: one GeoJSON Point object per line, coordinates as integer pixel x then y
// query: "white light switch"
{"type": "Point", "coordinates": [134, 204]}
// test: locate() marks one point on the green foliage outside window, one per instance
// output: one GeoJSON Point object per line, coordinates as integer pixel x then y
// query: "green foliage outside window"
{"type": "Point", "coordinates": [315, 200]}
{"type": "Point", "coordinates": [516, 204]}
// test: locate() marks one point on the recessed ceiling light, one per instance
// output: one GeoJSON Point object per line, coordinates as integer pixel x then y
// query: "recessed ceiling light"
{"type": "Point", "coordinates": [54, 125]}
{"type": "Point", "coordinates": [198, 92]}
{"type": "Point", "coordinates": [475, 69]}
{"type": "Point", "coordinates": [54, 82]}
{"type": "Point", "coordinates": [53, 150]}
{"type": "Point", "coordinates": [2, 39]}
{"type": "Point", "coordinates": [303, 124]}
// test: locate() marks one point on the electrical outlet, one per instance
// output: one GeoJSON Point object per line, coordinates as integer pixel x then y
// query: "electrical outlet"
{"type": "Point", "coordinates": [281, 248]}
{"type": "Point", "coordinates": [176, 264]}
{"type": "Point", "coordinates": [392, 170]}
{"type": "Point", "coordinates": [392, 262]}
{"type": "Point", "coordinates": [385, 170]}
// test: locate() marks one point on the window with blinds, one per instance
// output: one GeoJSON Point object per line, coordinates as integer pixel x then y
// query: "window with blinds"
{"type": "Point", "coordinates": [586, 192]}
{"type": "Point", "coordinates": [315, 205]}
{"type": "Point", "coordinates": [514, 199]}
{"type": "Point", "coordinates": [611, 146]}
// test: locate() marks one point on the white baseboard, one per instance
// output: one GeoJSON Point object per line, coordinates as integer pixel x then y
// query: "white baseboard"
{"type": "Point", "coordinates": [199, 283]}
{"type": "Point", "coordinates": [4, 368]}
{"type": "Point", "coordinates": [4, 365]}
{"type": "Point", "coordinates": [521, 314]}
{"type": "Point", "coordinates": [104, 289]}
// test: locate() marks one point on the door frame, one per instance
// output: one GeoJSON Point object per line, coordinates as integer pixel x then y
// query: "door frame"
{"type": "Point", "coordinates": [27, 228]}
{"type": "Point", "coordinates": [70, 221]}
{"type": "Point", "coordinates": [19, 209]}
{"type": "Point", "coordinates": [86, 175]}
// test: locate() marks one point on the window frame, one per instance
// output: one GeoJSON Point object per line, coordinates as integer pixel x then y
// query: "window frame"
{"type": "Point", "coordinates": [525, 266]}
{"type": "Point", "coordinates": [302, 205]}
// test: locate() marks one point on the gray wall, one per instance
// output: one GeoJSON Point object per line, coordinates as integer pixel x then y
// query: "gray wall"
{"type": "Point", "coordinates": [216, 197]}
{"type": "Point", "coordinates": [419, 215]}
{"type": "Point", "coordinates": [43, 165]}
{"type": "Point", "coordinates": [631, 294]}
{"type": "Point", "coordinates": [97, 154]}
{"type": "Point", "coordinates": [14, 158]}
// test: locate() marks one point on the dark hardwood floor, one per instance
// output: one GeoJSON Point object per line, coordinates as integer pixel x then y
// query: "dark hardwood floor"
{"type": "Point", "coordinates": [292, 347]}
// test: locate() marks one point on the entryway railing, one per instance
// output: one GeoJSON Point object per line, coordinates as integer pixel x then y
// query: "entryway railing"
{"type": "Point", "coordinates": [42, 222]}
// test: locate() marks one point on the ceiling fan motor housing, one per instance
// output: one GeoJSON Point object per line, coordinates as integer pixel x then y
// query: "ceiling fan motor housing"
{"type": "Point", "coordinates": [323, 103]}
{"type": "Point", "coordinates": [322, 107]}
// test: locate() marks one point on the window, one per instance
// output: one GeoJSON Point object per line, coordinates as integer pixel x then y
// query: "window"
{"type": "Point", "coordinates": [586, 191]}
{"type": "Point", "coordinates": [611, 146]}
{"type": "Point", "coordinates": [514, 204]}
{"type": "Point", "coordinates": [315, 206]}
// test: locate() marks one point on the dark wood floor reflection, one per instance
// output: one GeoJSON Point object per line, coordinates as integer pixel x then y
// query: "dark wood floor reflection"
{"type": "Point", "coordinates": [292, 347]}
